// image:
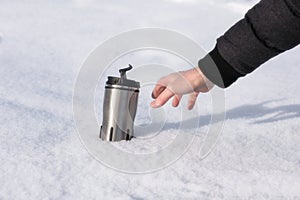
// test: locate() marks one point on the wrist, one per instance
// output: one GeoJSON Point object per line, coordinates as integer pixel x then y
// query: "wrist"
{"type": "Point", "coordinates": [200, 82]}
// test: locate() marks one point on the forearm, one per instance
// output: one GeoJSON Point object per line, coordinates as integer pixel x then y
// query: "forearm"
{"type": "Point", "coordinates": [268, 29]}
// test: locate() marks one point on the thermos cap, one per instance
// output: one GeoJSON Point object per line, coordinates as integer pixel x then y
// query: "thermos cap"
{"type": "Point", "coordinates": [123, 81]}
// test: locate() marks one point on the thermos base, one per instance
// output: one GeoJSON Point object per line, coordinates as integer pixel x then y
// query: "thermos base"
{"type": "Point", "coordinates": [115, 134]}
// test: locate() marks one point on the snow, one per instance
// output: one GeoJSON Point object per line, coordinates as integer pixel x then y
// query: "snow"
{"type": "Point", "coordinates": [42, 46]}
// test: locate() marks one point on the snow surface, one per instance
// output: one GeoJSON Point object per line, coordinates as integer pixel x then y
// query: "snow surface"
{"type": "Point", "coordinates": [42, 46]}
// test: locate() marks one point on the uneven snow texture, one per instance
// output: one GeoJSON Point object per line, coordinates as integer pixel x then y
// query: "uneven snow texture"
{"type": "Point", "coordinates": [42, 45]}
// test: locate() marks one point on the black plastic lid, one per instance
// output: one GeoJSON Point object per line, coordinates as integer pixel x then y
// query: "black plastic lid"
{"type": "Point", "coordinates": [123, 81]}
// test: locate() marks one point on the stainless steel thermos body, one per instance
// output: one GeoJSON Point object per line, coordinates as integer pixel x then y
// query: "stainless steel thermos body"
{"type": "Point", "coordinates": [119, 107]}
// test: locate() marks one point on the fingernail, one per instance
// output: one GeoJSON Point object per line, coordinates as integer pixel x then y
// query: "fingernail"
{"type": "Point", "coordinates": [153, 96]}
{"type": "Point", "coordinates": [154, 104]}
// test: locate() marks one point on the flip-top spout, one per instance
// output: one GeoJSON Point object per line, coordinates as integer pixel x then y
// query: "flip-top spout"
{"type": "Point", "coordinates": [124, 70]}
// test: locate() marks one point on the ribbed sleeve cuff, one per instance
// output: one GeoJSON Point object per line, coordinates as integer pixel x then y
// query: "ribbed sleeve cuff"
{"type": "Point", "coordinates": [218, 70]}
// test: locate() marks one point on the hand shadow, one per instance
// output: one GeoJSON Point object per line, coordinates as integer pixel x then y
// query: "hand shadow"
{"type": "Point", "coordinates": [248, 111]}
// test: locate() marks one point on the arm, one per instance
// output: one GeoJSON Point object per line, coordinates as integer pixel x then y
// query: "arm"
{"type": "Point", "coordinates": [268, 29]}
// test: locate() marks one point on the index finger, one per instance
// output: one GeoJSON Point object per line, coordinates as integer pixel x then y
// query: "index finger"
{"type": "Point", "coordinates": [160, 86]}
{"type": "Point", "coordinates": [162, 98]}
{"type": "Point", "coordinates": [158, 89]}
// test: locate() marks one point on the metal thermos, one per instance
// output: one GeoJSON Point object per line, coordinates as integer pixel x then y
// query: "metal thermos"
{"type": "Point", "coordinates": [119, 107]}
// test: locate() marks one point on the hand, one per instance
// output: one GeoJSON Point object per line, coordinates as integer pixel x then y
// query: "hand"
{"type": "Point", "coordinates": [175, 85]}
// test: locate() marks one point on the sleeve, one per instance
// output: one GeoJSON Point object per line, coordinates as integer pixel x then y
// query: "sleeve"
{"type": "Point", "coordinates": [268, 29]}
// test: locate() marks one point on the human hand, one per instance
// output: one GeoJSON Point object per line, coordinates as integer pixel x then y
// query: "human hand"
{"type": "Point", "coordinates": [175, 85]}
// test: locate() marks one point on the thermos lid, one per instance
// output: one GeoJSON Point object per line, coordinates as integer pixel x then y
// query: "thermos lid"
{"type": "Point", "coordinates": [123, 81]}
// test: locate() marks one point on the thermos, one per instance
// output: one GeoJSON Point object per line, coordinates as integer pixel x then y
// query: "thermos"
{"type": "Point", "coordinates": [119, 107]}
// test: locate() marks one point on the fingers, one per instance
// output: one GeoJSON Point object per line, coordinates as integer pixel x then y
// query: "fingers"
{"type": "Point", "coordinates": [192, 100]}
{"type": "Point", "coordinates": [176, 100]}
{"type": "Point", "coordinates": [158, 89]}
{"type": "Point", "coordinates": [163, 97]}
{"type": "Point", "coordinates": [166, 94]}
{"type": "Point", "coordinates": [176, 83]}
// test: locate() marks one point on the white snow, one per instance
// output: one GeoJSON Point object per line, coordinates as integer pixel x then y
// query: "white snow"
{"type": "Point", "coordinates": [42, 45]}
